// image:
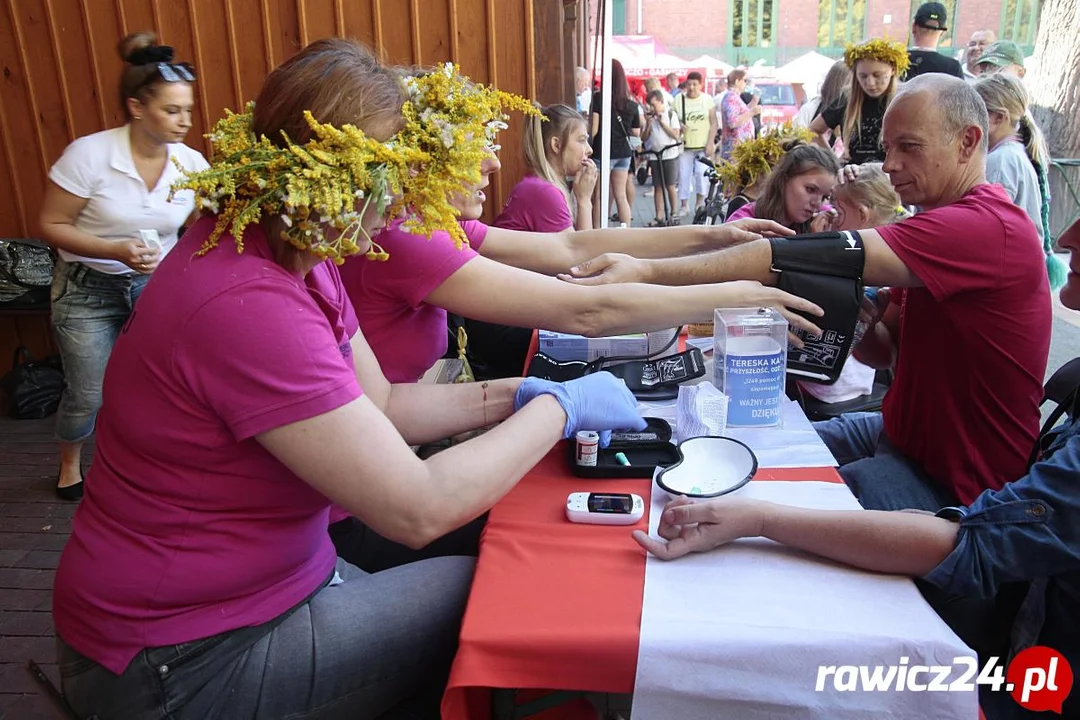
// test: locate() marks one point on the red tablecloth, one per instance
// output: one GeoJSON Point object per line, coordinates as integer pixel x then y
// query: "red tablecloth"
{"type": "Point", "coordinates": [556, 604]}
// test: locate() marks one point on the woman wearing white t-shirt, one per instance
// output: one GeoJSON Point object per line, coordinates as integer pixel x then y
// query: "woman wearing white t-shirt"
{"type": "Point", "coordinates": [108, 213]}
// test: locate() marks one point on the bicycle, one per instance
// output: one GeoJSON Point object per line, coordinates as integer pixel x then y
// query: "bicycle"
{"type": "Point", "coordinates": [711, 211]}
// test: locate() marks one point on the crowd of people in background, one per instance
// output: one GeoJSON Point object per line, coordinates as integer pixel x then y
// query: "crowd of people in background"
{"type": "Point", "coordinates": [844, 115]}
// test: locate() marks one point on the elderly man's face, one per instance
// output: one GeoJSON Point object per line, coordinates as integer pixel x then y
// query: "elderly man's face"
{"type": "Point", "coordinates": [921, 161]}
{"type": "Point", "coordinates": [581, 82]}
{"type": "Point", "coordinates": [978, 42]}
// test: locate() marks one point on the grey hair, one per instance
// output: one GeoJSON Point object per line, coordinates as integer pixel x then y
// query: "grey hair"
{"type": "Point", "coordinates": [580, 72]}
{"type": "Point", "coordinates": [959, 106]}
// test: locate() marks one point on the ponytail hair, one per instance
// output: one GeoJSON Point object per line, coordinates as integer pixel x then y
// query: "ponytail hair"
{"type": "Point", "coordinates": [555, 121]}
{"type": "Point", "coordinates": [872, 190]}
{"type": "Point", "coordinates": [1007, 95]}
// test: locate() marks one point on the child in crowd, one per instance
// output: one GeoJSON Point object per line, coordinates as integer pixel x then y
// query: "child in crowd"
{"type": "Point", "coordinates": [1018, 157]}
{"type": "Point", "coordinates": [875, 68]}
{"type": "Point", "coordinates": [796, 190]}
{"type": "Point", "coordinates": [868, 200]}
{"type": "Point", "coordinates": [556, 147]}
{"type": "Point", "coordinates": [662, 137]}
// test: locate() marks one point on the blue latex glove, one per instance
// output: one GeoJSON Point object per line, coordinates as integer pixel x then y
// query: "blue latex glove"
{"type": "Point", "coordinates": [599, 402]}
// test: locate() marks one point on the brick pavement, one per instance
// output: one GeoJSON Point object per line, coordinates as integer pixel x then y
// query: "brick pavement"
{"type": "Point", "coordinates": [34, 525]}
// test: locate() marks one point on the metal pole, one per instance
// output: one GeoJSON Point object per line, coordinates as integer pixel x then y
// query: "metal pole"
{"type": "Point", "coordinates": [606, 117]}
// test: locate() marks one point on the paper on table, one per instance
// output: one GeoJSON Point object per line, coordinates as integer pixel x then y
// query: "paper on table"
{"type": "Point", "coordinates": [700, 410]}
{"type": "Point", "coordinates": [740, 631]}
{"type": "Point", "coordinates": [794, 443]}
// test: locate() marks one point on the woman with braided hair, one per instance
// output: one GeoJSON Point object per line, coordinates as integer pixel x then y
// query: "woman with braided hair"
{"type": "Point", "coordinates": [1018, 157]}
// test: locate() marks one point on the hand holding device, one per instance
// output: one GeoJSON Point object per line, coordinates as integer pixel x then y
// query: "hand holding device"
{"type": "Point", "coordinates": [594, 402]}
{"type": "Point", "coordinates": [138, 254]}
{"type": "Point", "coordinates": [604, 508]}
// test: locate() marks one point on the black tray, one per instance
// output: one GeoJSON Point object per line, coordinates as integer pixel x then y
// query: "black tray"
{"type": "Point", "coordinates": [646, 450]}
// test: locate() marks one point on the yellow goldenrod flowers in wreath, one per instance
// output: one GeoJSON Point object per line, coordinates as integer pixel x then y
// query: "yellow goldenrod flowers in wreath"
{"type": "Point", "coordinates": [753, 159]}
{"type": "Point", "coordinates": [454, 123]}
{"type": "Point", "coordinates": [881, 49]}
{"type": "Point", "coordinates": [338, 175]}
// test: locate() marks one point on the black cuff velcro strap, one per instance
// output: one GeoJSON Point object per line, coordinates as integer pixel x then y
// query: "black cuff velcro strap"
{"type": "Point", "coordinates": [829, 253]}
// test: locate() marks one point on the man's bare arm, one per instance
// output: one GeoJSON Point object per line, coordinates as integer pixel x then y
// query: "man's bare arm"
{"type": "Point", "coordinates": [748, 261]}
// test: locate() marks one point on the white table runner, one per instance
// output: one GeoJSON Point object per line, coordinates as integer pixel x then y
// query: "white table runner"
{"type": "Point", "coordinates": [794, 443]}
{"type": "Point", "coordinates": [740, 632]}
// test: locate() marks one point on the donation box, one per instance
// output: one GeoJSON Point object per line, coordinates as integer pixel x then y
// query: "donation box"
{"type": "Point", "coordinates": [750, 354]}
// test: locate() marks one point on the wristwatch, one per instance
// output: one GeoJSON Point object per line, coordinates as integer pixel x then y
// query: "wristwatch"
{"type": "Point", "coordinates": [954, 513]}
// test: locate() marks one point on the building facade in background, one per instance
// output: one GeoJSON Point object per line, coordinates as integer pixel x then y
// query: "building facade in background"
{"type": "Point", "coordinates": [777, 31]}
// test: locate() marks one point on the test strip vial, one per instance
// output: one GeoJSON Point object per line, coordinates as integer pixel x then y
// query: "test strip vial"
{"type": "Point", "coordinates": [588, 445]}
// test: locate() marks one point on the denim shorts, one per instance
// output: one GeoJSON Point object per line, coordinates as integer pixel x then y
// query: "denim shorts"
{"type": "Point", "coordinates": [620, 163]}
{"type": "Point", "coordinates": [89, 309]}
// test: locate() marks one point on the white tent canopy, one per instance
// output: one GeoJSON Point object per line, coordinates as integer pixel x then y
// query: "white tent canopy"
{"type": "Point", "coordinates": [715, 66]}
{"type": "Point", "coordinates": [809, 69]}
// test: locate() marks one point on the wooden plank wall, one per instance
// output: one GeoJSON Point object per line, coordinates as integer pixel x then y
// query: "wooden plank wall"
{"type": "Point", "coordinates": [60, 71]}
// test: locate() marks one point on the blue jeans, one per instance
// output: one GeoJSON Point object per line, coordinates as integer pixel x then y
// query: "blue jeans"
{"type": "Point", "coordinates": [884, 479]}
{"type": "Point", "coordinates": [876, 472]}
{"type": "Point", "coordinates": [374, 646]}
{"type": "Point", "coordinates": [89, 308]}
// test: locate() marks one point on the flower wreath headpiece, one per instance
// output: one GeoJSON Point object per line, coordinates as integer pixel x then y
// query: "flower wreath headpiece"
{"type": "Point", "coordinates": [753, 159]}
{"type": "Point", "coordinates": [887, 51]}
{"type": "Point", "coordinates": [455, 123]}
{"type": "Point", "coordinates": [450, 126]}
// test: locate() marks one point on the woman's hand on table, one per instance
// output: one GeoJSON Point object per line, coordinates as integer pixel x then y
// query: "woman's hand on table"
{"type": "Point", "coordinates": [687, 526]}
{"type": "Point", "coordinates": [598, 402]}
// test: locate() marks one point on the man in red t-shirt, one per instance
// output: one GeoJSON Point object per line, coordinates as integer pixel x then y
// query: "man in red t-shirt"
{"type": "Point", "coordinates": [969, 334]}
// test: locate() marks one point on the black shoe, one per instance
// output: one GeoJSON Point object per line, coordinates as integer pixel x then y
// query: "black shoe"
{"type": "Point", "coordinates": [71, 493]}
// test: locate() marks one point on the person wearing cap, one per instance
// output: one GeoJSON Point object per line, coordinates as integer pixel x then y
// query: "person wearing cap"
{"type": "Point", "coordinates": [980, 40]}
{"type": "Point", "coordinates": [1003, 56]}
{"type": "Point", "coordinates": [926, 32]}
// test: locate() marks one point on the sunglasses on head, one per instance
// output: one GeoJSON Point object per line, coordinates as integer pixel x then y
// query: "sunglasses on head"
{"type": "Point", "coordinates": [176, 72]}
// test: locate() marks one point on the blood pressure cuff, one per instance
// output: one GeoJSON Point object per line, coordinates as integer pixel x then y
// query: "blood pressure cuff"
{"type": "Point", "coordinates": [826, 269]}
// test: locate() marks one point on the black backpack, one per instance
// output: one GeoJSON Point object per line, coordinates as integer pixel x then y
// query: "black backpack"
{"type": "Point", "coordinates": [1063, 388]}
{"type": "Point", "coordinates": [33, 387]}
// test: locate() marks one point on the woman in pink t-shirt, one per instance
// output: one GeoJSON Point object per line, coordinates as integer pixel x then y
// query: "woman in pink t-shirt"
{"type": "Point", "coordinates": [199, 580]}
{"type": "Point", "coordinates": [556, 148]}
{"type": "Point", "coordinates": [797, 190]}
{"type": "Point", "coordinates": [505, 277]}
